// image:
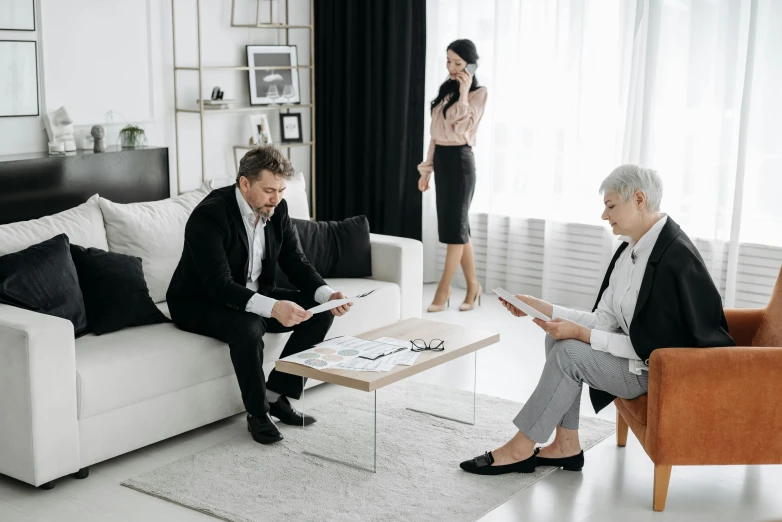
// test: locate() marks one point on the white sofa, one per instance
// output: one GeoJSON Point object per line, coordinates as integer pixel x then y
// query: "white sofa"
{"type": "Point", "coordinates": [67, 403]}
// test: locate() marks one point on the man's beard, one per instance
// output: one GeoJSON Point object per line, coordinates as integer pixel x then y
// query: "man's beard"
{"type": "Point", "coordinates": [266, 212]}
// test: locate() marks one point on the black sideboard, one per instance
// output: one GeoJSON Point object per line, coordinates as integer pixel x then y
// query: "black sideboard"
{"type": "Point", "coordinates": [37, 184]}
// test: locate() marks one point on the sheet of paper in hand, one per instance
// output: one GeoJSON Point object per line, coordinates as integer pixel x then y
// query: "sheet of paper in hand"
{"type": "Point", "coordinates": [521, 305]}
{"type": "Point", "coordinates": [330, 305]}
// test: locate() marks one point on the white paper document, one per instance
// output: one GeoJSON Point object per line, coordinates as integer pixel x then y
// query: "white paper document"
{"type": "Point", "coordinates": [521, 305]}
{"type": "Point", "coordinates": [384, 346]}
{"type": "Point", "coordinates": [328, 354]}
{"type": "Point", "coordinates": [343, 353]}
{"type": "Point", "coordinates": [330, 305]}
{"type": "Point", "coordinates": [405, 358]}
{"type": "Point", "coordinates": [383, 364]}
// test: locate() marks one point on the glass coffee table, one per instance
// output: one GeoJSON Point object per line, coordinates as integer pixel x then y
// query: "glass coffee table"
{"type": "Point", "coordinates": [439, 383]}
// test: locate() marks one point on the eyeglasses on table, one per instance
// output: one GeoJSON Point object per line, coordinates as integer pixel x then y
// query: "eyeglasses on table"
{"type": "Point", "coordinates": [435, 345]}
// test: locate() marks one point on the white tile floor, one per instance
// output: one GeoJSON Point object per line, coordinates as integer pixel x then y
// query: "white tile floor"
{"type": "Point", "coordinates": [616, 484]}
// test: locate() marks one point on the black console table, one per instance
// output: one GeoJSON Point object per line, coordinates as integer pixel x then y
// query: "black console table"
{"type": "Point", "coordinates": [37, 184]}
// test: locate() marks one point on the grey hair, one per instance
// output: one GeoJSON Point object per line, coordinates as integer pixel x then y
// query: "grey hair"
{"type": "Point", "coordinates": [265, 158]}
{"type": "Point", "coordinates": [625, 180]}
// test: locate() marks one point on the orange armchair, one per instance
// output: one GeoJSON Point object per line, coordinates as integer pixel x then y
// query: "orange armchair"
{"type": "Point", "coordinates": [704, 405]}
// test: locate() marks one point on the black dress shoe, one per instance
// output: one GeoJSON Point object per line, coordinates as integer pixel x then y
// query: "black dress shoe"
{"type": "Point", "coordinates": [263, 429]}
{"type": "Point", "coordinates": [574, 463]}
{"type": "Point", "coordinates": [287, 414]}
{"type": "Point", "coordinates": [482, 465]}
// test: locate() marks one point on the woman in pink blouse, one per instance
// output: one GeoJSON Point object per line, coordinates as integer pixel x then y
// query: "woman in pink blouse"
{"type": "Point", "coordinates": [456, 114]}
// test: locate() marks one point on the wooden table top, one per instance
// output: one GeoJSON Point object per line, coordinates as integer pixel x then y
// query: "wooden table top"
{"type": "Point", "coordinates": [458, 341]}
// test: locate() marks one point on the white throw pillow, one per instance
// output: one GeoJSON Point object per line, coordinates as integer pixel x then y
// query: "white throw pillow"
{"type": "Point", "coordinates": [222, 182]}
{"type": "Point", "coordinates": [82, 224]}
{"type": "Point", "coordinates": [153, 231]}
{"type": "Point", "coordinates": [296, 196]}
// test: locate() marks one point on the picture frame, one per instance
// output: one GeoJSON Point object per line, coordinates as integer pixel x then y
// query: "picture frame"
{"type": "Point", "coordinates": [264, 82]}
{"type": "Point", "coordinates": [17, 15]}
{"type": "Point", "coordinates": [19, 62]}
{"type": "Point", "coordinates": [291, 130]}
{"type": "Point", "coordinates": [260, 129]}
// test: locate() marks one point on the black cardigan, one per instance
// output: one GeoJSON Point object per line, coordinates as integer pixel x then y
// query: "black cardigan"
{"type": "Point", "coordinates": [213, 267]}
{"type": "Point", "coordinates": [678, 305]}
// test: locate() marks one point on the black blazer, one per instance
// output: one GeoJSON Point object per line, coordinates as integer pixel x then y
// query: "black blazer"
{"type": "Point", "coordinates": [678, 305]}
{"type": "Point", "coordinates": [215, 259]}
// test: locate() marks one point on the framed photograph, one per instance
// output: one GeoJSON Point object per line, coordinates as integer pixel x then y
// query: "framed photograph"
{"type": "Point", "coordinates": [273, 86]}
{"type": "Point", "coordinates": [260, 131]}
{"type": "Point", "coordinates": [19, 81]}
{"type": "Point", "coordinates": [17, 15]}
{"type": "Point", "coordinates": [290, 128]}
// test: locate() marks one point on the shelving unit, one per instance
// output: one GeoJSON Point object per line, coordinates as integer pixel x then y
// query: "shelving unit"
{"type": "Point", "coordinates": [203, 112]}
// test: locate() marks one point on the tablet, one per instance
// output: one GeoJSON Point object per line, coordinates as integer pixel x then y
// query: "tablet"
{"type": "Point", "coordinates": [521, 305]}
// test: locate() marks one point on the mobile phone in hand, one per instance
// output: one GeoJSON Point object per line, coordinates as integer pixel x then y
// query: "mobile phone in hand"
{"type": "Point", "coordinates": [471, 68]}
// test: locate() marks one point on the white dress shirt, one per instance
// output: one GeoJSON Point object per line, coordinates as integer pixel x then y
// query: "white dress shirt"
{"type": "Point", "coordinates": [255, 225]}
{"type": "Point", "coordinates": [615, 311]}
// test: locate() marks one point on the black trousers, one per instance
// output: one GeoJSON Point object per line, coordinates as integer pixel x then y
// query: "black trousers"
{"type": "Point", "coordinates": [243, 331]}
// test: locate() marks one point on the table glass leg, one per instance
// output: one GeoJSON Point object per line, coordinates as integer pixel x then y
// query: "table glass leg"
{"type": "Point", "coordinates": [446, 391]}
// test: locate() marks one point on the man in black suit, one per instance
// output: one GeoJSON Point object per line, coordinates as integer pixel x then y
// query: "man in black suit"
{"type": "Point", "coordinates": [224, 286]}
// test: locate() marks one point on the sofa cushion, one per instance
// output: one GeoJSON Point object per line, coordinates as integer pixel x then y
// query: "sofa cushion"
{"type": "Point", "coordinates": [83, 225]}
{"type": "Point", "coordinates": [336, 249]}
{"type": "Point", "coordinates": [43, 278]}
{"type": "Point", "coordinates": [139, 363]}
{"type": "Point", "coordinates": [153, 231]}
{"type": "Point", "coordinates": [114, 289]}
{"type": "Point", "coordinates": [770, 328]}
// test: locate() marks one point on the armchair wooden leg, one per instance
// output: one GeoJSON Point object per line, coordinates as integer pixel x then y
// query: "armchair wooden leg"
{"type": "Point", "coordinates": [662, 476]}
{"type": "Point", "coordinates": [621, 430]}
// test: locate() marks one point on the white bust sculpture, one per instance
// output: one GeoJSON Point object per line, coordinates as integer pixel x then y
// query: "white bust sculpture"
{"type": "Point", "coordinates": [59, 127]}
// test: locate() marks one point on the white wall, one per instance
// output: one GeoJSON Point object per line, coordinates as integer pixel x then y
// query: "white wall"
{"type": "Point", "coordinates": [221, 45]}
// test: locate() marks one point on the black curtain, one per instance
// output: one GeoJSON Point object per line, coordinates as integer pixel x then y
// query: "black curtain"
{"type": "Point", "coordinates": [369, 93]}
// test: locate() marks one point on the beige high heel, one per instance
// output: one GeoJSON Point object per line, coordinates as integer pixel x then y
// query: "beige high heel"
{"type": "Point", "coordinates": [466, 307]}
{"type": "Point", "coordinates": [439, 308]}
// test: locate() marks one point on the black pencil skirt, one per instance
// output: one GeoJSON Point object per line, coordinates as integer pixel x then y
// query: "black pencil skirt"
{"type": "Point", "coordinates": [454, 176]}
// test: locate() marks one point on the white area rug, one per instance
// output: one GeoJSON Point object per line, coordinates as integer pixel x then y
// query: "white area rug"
{"type": "Point", "coordinates": [418, 476]}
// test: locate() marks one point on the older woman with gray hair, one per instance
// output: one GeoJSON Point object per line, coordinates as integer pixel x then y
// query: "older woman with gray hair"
{"type": "Point", "coordinates": [657, 293]}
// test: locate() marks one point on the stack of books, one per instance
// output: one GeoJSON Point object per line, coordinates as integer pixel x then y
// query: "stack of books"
{"type": "Point", "coordinates": [216, 104]}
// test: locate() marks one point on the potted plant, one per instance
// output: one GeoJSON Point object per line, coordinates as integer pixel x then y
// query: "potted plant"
{"type": "Point", "coordinates": [132, 136]}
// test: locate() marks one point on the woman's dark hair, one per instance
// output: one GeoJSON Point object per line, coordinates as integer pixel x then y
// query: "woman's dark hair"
{"type": "Point", "coordinates": [450, 88]}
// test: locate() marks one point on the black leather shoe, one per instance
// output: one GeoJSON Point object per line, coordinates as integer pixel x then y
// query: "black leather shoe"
{"type": "Point", "coordinates": [482, 465]}
{"type": "Point", "coordinates": [263, 429]}
{"type": "Point", "coordinates": [574, 463]}
{"type": "Point", "coordinates": [287, 414]}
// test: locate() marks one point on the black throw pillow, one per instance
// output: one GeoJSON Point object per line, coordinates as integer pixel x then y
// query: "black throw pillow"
{"type": "Point", "coordinates": [334, 248]}
{"type": "Point", "coordinates": [115, 292]}
{"type": "Point", "coordinates": [43, 278]}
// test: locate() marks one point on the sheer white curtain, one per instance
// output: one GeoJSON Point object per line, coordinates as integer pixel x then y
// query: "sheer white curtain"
{"type": "Point", "coordinates": [687, 87]}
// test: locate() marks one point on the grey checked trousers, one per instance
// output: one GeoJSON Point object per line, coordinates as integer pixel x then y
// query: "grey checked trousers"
{"type": "Point", "coordinates": [557, 399]}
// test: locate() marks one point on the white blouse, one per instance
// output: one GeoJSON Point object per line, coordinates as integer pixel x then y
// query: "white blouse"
{"type": "Point", "coordinates": [610, 322]}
